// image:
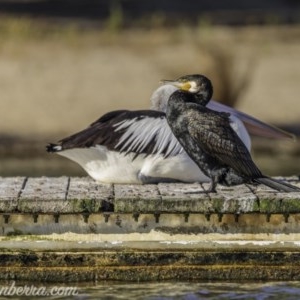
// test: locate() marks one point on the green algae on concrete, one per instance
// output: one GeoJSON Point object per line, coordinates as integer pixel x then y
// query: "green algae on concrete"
{"type": "Point", "coordinates": [10, 189]}
{"type": "Point", "coordinates": [86, 195]}
{"type": "Point", "coordinates": [149, 265]}
{"type": "Point", "coordinates": [136, 198]}
{"type": "Point", "coordinates": [83, 195]}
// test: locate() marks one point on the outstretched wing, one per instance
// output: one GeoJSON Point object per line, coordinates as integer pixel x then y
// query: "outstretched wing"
{"type": "Point", "coordinates": [141, 131]}
{"type": "Point", "coordinates": [149, 133]}
{"type": "Point", "coordinates": [253, 125]}
{"type": "Point", "coordinates": [214, 135]}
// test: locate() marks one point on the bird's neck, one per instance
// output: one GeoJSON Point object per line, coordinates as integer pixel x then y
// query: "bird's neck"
{"type": "Point", "coordinates": [177, 101]}
{"type": "Point", "coordinates": [176, 104]}
{"type": "Point", "coordinates": [202, 98]}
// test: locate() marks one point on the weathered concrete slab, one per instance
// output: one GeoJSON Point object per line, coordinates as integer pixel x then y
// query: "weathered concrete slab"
{"type": "Point", "coordinates": [10, 189]}
{"type": "Point", "coordinates": [283, 202]}
{"type": "Point", "coordinates": [86, 195]}
{"type": "Point", "coordinates": [137, 198]}
{"type": "Point", "coordinates": [45, 194]}
{"type": "Point", "coordinates": [237, 199]}
{"type": "Point", "coordinates": [87, 207]}
{"type": "Point", "coordinates": [185, 198]}
{"type": "Point", "coordinates": [270, 201]}
{"type": "Point", "coordinates": [83, 195]}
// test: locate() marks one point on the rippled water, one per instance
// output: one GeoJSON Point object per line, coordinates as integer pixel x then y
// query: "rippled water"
{"type": "Point", "coordinates": [175, 290]}
{"type": "Point", "coordinates": [190, 291]}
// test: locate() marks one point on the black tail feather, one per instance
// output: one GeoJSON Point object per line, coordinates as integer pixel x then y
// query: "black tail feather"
{"type": "Point", "coordinates": [53, 148]}
{"type": "Point", "coordinates": [277, 184]}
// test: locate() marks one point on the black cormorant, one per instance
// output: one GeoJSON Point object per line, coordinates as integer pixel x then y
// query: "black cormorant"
{"type": "Point", "coordinates": [208, 138]}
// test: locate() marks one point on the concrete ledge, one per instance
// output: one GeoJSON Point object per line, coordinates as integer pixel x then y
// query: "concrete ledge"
{"type": "Point", "coordinates": [144, 261]}
{"type": "Point", "coordinates": [148, 265]}
{"type": "Point", "coordinates": [83, 195]}
{"type": "Point", "coordinates": [70, 229]}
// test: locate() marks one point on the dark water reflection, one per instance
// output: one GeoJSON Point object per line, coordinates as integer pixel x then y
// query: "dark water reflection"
{"type": "Point", "coordinates": [176, 290]}
{"type": "Point", "coordinates": [191, 291]}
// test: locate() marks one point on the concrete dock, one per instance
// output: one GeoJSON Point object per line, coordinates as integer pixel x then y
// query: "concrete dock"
{"type": "Point", "coordinates": [74, 229]}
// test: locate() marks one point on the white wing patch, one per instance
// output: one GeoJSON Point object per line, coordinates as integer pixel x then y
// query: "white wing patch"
{"type": "Point", "coordinates": [140, 133]}
{"type": "Point", "coordinates": [57, 148]}
{"type": "Point", "coordinates": [238, 126]}
{"type": "Point", "coordinates": [235, 121]}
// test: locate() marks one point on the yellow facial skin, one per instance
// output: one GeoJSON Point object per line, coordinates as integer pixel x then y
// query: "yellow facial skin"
{"type": "Point", "coordinates": [185, 86]}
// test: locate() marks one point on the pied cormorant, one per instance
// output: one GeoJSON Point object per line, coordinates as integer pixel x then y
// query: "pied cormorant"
{"type": "Point", "coordinates": [139, 147]}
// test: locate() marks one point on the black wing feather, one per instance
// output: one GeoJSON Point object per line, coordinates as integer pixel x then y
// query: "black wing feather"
{"type": "Point", "coordinates": [106, 132]}
{"type": "Point", "coordinates": [213, 133]}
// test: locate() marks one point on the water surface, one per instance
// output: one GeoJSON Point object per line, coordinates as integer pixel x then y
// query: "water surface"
{"type": "Point", "coordinates": [168, 290]}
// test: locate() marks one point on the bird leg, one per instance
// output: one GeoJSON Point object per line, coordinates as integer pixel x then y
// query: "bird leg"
{"type": "Point", "coordinates": [212, 187]}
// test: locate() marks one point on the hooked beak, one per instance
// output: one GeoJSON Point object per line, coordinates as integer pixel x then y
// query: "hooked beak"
{"type": "Point", "coordinates": [185, 86]}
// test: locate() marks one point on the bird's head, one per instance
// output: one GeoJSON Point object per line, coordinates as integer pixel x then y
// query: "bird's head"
{"type": "Point", "coordinates": [196, 84]}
